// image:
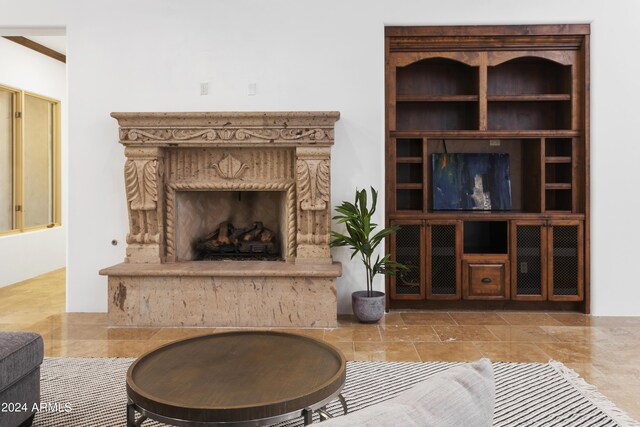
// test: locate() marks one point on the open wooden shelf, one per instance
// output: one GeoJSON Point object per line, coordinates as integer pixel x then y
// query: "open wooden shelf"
{"type": "Point", "coordinates": [529, 115]}
{"type": "Point", "coordinates": [436, 98]}
{"type": "Point", "coordinates": [529, 75]}
{"type": "Point", "coordinates": [521, 98]}
{"type": "Point", "coordinates": [557, 186]}
{"type": "Point", "coordinates": [486, 215]}
{"type": "Point", "coordinates": [409, 186]}
{"type": "Point", "coordinates": [409, 159]}
{"type": "Point", "coordinates": [437, 77]}
{"type": "Point", "coordinates": [479, 134]}
{"type": "Point", "coordinates": [558, 159]}
{"type": "Point", "coordinates": [437, 115]}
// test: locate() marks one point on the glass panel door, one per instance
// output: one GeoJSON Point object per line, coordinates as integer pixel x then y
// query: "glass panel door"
{"type": "Point", "coordinates": [407, 246]}
{"type": "Point", "coordinates": [6, 160]}
{"type": "Point", "coordinates": [566, 266]}
{"type": "Point", "coordinates": [38, 165]}
{"type": "Point", "coordinates": [443, 268]}
{"type": "Point", "coordinates": [528, 274]}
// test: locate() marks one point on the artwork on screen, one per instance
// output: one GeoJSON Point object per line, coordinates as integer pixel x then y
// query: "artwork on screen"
{"type": "Point", "coordinates": [471, 181]}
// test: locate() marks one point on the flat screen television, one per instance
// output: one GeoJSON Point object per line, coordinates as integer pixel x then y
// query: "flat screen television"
{"type": "Point", "coordinates": [471, 181]}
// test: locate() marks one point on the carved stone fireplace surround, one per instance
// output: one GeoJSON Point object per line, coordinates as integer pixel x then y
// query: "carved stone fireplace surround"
{"type": "Point", "coordinates": [172, 153]}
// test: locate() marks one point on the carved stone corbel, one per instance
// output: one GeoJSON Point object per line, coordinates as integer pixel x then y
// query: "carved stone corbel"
{"type": "Point", "coordinates": [314, 199]}
{"type": "Point", "coordinates": [143, 173]}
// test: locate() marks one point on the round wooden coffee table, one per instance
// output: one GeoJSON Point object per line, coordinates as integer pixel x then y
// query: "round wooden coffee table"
{"type": "Point", "coordinates": [248, 378]}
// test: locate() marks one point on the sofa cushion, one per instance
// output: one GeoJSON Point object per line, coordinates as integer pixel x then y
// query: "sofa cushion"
{"type": "Point", "coordinates": [25, 395]}
{"type": "Point", "coordinates": [20, 353]}
{"type": "Point", "coordinates": [460, 396]}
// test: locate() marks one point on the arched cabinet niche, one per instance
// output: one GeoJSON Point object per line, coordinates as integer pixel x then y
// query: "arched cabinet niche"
{"type": "Point", "coordinates": [437, 94]}
{"type": "Point", "coordinates": [529, 93]}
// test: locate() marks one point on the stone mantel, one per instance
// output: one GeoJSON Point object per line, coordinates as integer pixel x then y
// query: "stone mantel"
{"type": "Point", "coordinates": [177, 165]}
{"type": "Point", "coordinates": [228, 129]}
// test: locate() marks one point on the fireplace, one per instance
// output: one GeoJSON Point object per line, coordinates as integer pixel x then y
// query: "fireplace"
{"type": "Point", "coordinates": [229, 220]}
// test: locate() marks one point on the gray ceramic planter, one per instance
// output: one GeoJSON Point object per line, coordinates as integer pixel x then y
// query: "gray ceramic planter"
{"type": "Point", "coordinates": [368, 309]}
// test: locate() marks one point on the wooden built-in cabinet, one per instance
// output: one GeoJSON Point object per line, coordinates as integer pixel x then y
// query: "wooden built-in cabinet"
{"type": "Point", "coordinates": [547, 260]}
{"type": "Point", "coordinates": [520, 90]}
{"type": "Point", "coordinates": [431, 251]}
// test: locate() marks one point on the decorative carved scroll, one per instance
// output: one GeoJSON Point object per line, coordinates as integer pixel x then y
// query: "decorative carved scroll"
{"type": "Point", "coordinates": [313, 185]}
{"type": "Point", "coordinates": [313, 181]}
{"type": "Point", "coordinates": [230, 167]}
{"type": "Point", "coordinates": [185, 135]}
{"type": "Point", "coordinates": [286, 134]}
{"type": "Point", "coordinates": [224, 134]}
{"type": "Point", "coordinates": [142, 196]}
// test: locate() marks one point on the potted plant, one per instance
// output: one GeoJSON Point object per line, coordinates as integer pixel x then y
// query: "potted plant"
{"type": "Point", "coordinates": [362, 238]}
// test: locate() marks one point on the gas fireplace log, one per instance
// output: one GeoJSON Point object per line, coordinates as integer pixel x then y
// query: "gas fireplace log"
{"type": "Point", "coordinates": [228, 240]}
{"type": "Point", "coordinates": [223, 234]}
{"type": "Point", "coordinates": [251, 231]}
{"type": "Point", "coordinates": [267, 236]}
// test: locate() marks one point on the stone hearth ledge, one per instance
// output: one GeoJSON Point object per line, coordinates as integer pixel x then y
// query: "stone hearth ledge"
{"type": "Point", "coordinates": [225, 268]}
{"type": "Point", "coordinates": [223, 294]}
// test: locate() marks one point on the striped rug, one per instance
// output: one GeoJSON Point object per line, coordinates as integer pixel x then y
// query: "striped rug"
{"type": "Point", "coordinates": [91, 392]}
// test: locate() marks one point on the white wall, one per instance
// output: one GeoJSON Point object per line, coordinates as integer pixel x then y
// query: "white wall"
{"type": "Point", "coordinates": [310, 55]}
{"type": "Point", "coordinates": [29, 254]}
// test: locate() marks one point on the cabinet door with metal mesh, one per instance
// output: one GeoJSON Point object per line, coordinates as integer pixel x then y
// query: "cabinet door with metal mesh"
{"type": "Point", "coordinates": [528, 272]}
{"type": "Point", "coordinates": [407, 249]}
{"type": "Point", "coordinates": [565, 275]}
{"type": "Point", "coordinates": [443, 270]}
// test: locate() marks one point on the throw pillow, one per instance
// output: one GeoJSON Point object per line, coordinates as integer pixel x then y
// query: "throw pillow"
{"type": "Point", "coordinates": [460, 396]}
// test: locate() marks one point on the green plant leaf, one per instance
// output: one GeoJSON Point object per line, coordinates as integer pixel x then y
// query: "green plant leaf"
{"type": "Point", "coordinates": [374, 200]}
{"type": "Point", "coordinates": [361, 200]}
{"type": "Point", "coordinates": [360, 237]}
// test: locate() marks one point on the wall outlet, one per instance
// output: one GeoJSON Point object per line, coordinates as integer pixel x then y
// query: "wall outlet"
{"type": "Point", "coordinates": [524, 268]}
{"type": "Point", "coordinates": [494, 143]}
{"type": "Point", "coordinates": [252, 89]}
{"type": "Point", "coordinates": [204, 88]}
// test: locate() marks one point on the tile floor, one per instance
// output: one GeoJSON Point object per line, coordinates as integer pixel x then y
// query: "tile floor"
{"type": "Point", "coordinates": [605, 351]}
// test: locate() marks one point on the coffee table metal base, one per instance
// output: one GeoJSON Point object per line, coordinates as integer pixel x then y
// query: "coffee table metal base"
{"type": "Point", "coordinates": [306, 413]}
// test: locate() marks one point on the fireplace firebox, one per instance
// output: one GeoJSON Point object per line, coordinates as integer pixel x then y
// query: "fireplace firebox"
{"type": "Point", "coordinates": [200, 213]}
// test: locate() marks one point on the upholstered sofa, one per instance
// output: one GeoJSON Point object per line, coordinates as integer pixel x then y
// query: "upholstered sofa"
{"type": "Point", "coordinates": [461, 396]}
{"type": "Point", "coordinates": [21, 355]}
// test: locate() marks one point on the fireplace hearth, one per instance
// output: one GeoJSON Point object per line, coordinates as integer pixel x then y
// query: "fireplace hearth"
{"type": "Point", "coordinates": [215, 200]}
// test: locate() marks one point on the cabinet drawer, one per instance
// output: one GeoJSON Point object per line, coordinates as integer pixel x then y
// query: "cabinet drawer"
{"type": "Point", "coordinates": [485, 280]}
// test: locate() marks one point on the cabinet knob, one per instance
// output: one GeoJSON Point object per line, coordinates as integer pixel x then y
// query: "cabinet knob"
{"type": "Point", "coordinates": [486, 280]}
